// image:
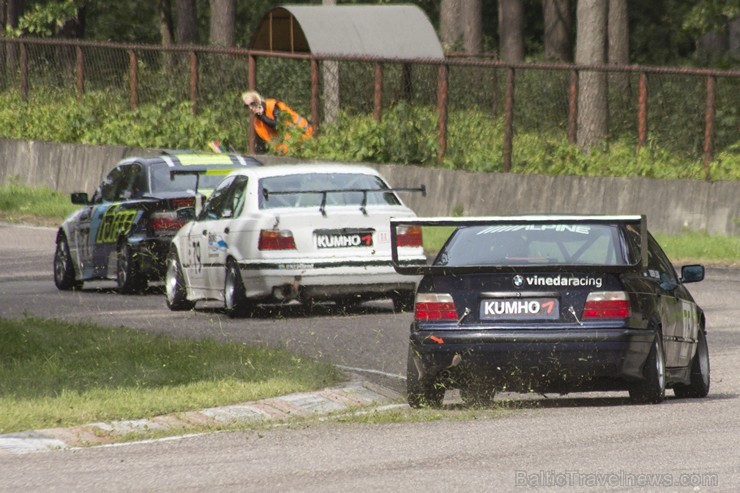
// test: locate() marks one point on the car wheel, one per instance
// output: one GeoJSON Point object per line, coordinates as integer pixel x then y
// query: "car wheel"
{"type": "Point", "coordinates": [129, 278]}
{"type": "Point", "coordinates": [699, 386]}
{"type": "Point", "coordinates": [235, 297]}
{"type": "Point", "coordinates": [651, 390]}
{"type": "Point", "coordinates": [64, 270]}
{"type": "Point", "coordinates": [403, 301]}
{"type": "Point", "coordinates": [174, 284]}
{"type": "Point", "coordinates": [422, 392]}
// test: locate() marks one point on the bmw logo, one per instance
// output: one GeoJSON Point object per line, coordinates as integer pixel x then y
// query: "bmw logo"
{"type": "Point", "coordinates": [518, 281]}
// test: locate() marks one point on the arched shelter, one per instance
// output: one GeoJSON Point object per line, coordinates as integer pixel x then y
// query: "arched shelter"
{"type": "Point", "coordinates": [383, 32]}
{"type": "Point", "coordinates": [386, 31]}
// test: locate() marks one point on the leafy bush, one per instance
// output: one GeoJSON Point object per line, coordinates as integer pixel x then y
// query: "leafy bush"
{"type": "Point", "coordinates": [407, 134]}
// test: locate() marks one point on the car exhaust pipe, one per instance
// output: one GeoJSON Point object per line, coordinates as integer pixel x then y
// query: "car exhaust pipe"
{"type": "Point", "coordinates": [286, 292]}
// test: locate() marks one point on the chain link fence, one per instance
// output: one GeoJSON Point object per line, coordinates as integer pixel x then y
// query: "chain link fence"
{"type": "Point", "coordinates": [694, 113]}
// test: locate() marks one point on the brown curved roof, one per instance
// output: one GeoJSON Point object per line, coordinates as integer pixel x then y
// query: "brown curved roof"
{"type": "Point", "coordinates": [388, 31]}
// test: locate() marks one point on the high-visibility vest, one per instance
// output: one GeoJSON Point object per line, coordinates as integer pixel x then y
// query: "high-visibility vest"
{"type": "Point", "coordinates": [268, 133]}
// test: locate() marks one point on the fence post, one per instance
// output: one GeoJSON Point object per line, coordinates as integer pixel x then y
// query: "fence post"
{"type": "Point", "coordinates": [315, 94]}
{"type": "Point", "coordinates": [378, 92]}
{"type": "Point", "coordinates": [80, 70]}
{"type": "Point", "coordinates": [133, 69]}
{"type": "Point", "coordinates": [709, 128]}
{"type": "Point", "coordinates": [194, 81]}
{"type": "Point", "coordinates": [508, 119]}
{"type": "Point", "coordinates": [573, 108]}
{"type": "Point", "coordinates": [252, 83]}
{"type": "Point", "coordinates": [642, 111]}
{"type": "Point", "coordinates": [24, 72]}
{"type": "Point", "coordinates": [442, 76]}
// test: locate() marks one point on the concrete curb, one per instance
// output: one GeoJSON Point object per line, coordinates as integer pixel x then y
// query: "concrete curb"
{"type": "Point", "coordinates": [353, 395]}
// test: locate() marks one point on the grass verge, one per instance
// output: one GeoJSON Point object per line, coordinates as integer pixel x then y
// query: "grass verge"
{"type": "Point", "coordinates": [55, 374]}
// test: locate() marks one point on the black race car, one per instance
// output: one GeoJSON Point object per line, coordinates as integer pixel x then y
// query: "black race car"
{"type": "Point", "coordinates": [547, 303]}
{"type": "Point", "coordinates": [123, 232]}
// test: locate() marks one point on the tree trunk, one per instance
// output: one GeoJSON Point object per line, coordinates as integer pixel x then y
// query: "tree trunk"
{"type": "Point", "coordinates": [166, 23]}
{"type": "Point", "coordinates": [557, 30]}
{"type": "Point", "coordinates": [14, 13]}
{"type": "Point", "coordinates": [330, 74]}
{"type": "Point", "coordinates": [472, 21]}
{"type": "Point", "coordinates": [166, 30]}
{"type": "Point", "coordinates": [223, 22]}
{"type": "Point", "coordinates": [511, 30]}
{"type": "Point", "coordinates": [186, 31]}
{"type": "Point", "coordinates": [450, 28]}
{"type": "Point", "coordinates": [592, 95]}
{"type": "Point", "coordinates": [619, 45]}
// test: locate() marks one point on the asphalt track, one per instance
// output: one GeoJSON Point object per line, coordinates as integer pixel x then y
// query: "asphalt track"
{"type": "Point", "coordinates": [589, 442]}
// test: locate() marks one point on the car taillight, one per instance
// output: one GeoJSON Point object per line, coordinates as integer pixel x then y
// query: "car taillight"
{"type": "Point", "coordinates": [607, 304]}
{"type": "Point", "coordinates": [408, 236]}
{"type": "Point", "coordinates": [274, 239]}
{"type": "Point", "coordinates": [434, 306]}
{"type": "Point", "coordinates": [166, 223]}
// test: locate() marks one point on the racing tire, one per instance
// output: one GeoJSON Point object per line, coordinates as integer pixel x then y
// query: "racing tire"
{"type": "Point", "coordinates": [421, 393]}
{"type": "Point", "coordinates": [651, 390]}
{"type": "Point", "coordinates": [129, 277]}
{"type": "Point", "coordinates": [236, 302]}
{"type": "Point", "coordinates": [174, 285]}
{"type": "Point", "coordinates": [700, 375]}
{"type": "Point", "coordinates": [403, 301]}
{"type": "Point", "coordinates": [64, 269]}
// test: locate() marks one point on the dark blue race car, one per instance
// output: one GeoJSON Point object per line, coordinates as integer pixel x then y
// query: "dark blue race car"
{"type": "Point", "coordinates": [124, 231]}
{"type": "Point", "coordinates": [553, 304]}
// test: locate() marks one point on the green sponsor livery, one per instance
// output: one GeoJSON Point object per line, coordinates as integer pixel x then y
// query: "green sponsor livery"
{"type": "Point", "coordinates": [114, 223]}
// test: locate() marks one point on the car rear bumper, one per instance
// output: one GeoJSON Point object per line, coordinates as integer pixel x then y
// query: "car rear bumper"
{"type": "Point", "coordinates": [326, 280]}
{"type": "Point", "coordinates": [152, 254]}
{"type": "Point", "coordinates": [536, 359]}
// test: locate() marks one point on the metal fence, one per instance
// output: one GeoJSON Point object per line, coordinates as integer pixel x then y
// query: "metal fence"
{"type": "Point", "coordinates": [690, 111]}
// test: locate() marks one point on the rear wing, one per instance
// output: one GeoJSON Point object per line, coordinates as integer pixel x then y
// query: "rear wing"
{"type": "Point", "coordinates": [324, 192]}
{"type": "Point", "coordinates": [634, 221]}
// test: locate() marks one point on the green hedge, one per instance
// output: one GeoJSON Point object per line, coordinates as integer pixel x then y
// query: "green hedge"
{"type": "Point", "coordinates": [406, 134]}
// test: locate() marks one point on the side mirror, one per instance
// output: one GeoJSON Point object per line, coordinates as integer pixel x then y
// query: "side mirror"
{"type": "Point", "coordinates": [79, 198]}
{"type": "Point", "coordinates": [692, 273]}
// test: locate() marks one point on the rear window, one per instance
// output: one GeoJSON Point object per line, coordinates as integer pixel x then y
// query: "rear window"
{"type": "Point", "coordinates": [547, 244]}
{"type": "Point", "coordinates": [161, 181]}
{"type": "Point", "coordinates": [317, 183]}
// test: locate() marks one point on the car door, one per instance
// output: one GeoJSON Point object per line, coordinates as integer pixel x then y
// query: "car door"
{"type": "Point", "coordinates": [92, 230]}
{"type": "Point", "coordinates": [220, 230]}
{"type": "Point", "coordinates": [678, 334]}
{"type": "Point", "coordinates": [209, 239]}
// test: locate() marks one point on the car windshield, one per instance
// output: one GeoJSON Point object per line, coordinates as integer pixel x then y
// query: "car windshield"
{"type": "Point", "coordinates": [523, 244]}
{"type": "Point", "coordinates": [162, 182]}
{"type": "Point", "coordinates": [320, 182]}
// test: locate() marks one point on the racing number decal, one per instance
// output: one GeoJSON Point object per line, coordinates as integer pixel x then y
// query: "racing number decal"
{"type": "Point", "coordinates": [83, 243]}
{"type": "Point", "coordinates": [114, 223]}
{"type": "Point", "coordinates": [195, 256]}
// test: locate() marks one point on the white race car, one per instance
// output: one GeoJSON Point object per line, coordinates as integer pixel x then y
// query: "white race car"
{"type": "Point", "coordinates": [294, 232]}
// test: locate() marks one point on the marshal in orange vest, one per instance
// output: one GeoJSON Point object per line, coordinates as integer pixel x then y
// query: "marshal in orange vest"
{"type": "Point", "coordinates": [266, 122]}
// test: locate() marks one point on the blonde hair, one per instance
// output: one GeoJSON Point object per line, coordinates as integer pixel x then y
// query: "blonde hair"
{"type": "Point", "coordinates": [251, 95]}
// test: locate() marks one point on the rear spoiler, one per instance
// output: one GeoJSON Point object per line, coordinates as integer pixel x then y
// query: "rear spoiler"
{"type": "Point", "coordinates": [363, 206]}
{"type": "Point", "coordinates": [639, 222]}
